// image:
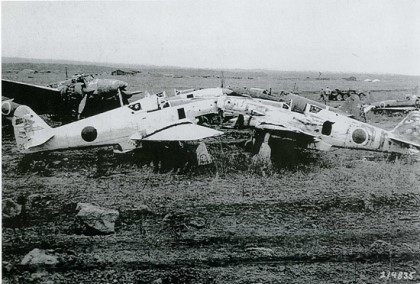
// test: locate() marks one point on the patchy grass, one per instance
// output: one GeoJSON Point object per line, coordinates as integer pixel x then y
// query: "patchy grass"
{"type": "Point", "coordinates": [340, 217]}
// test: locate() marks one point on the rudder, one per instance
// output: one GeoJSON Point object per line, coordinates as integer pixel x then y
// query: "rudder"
{"type": "Point", "coordinates": [30, 130]}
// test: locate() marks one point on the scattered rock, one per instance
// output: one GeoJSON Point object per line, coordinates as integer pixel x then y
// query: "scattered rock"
{"type": "Point", "coordinates": [368, 205]}
{"type": "Point", "coordinates": [34, 201]}
{"type": "Point", "coordinates": [137, 212]}
{"type": "Point", "coordinates": [158, 281]}
{"type": "Point", "coordinates": [168, 217]}
{"type": "Point", "coordinates": [261, 251]}
{"type": "Point", "coordinates": [38, 275]}
{"type": "Point", "coordinates": [405, 218]}
{"type": "Point", "coordinates": [11, 209]}
{"type": "Point", "coordinates": [97, 219]}
{"type": "Point", "coordinates": [143, 208]}
{"type": "Point", "coordinates": [380, 246]}
{"type": "Point", "coordinates": [198, 223]}
{"type": "Point", "coordinates": [38, 257]}
{"type": "Point", "coordinates": [97, 258]}
{"type": "Point", "coordinates": [7, 266]}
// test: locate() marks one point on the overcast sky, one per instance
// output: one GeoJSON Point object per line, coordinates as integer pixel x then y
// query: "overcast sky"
{"type": "Point", "coordinates": [324, 35]}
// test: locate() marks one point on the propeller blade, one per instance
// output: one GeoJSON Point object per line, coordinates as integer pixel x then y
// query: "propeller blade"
{"type": "Point", "coordinates": [120, 97]}
{"type": "Point", "coordinates": [82, 104]}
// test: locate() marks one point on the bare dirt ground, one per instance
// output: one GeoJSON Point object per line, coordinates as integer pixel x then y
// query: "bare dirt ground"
{"type": "Point", "coordinates": [338, 217]}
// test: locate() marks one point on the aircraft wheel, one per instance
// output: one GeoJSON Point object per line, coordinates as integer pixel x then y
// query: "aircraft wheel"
{"type": "Point", "coordinates": [339, 98]}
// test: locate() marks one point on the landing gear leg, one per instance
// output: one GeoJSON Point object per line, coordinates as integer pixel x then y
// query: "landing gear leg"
{"type": "Point", "coordinates": [264, 154]}
{"type": "Point", "coordinates": [203, 156]}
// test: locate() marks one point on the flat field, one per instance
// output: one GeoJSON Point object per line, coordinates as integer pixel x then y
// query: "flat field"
{"type": "Point", "coordinates": [338, 217]}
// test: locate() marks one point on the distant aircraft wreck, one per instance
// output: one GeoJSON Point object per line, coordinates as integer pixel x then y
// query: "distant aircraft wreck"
{"type": "Point", "coordinates": [404, 104]}
{"type": "Point", "coordinates": [122, 72]}
{"type": "Point", "coordinates": [72, 98]}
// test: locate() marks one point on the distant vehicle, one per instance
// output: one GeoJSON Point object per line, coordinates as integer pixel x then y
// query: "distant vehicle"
{"type": "Point", "coordinates": [342, 95]}
{"type": "Point", "coordinates": [406, 104]}
{"type": "Point", "coordinates": [318, 128]}
{"type": "Point", "coordinates": [82, 94]}
{"type": "Point", "coordinates": [148, 119]}
{"type": "Point", "coordinates": [247, 91]}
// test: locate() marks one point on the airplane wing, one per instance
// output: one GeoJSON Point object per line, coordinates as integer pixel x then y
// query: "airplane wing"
{"type": "Point", "coordinates": [41, 99]}
{"type": "Point", "coordinates": [396, 108]}
{"type": "Point", "coordinates": [182, 132]}
{"type": "Point", "coordinates": [406, 142]}
{"type": "Point", "coordinates": [303, 138]}
{"type": "Point", "coordinates": [279, 128]}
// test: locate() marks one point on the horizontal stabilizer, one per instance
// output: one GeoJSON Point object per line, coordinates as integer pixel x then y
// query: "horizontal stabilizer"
{"type": "Point", "coordinates": [183, 132]}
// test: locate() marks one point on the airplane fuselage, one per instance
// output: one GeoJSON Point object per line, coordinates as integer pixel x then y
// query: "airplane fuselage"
{"type": "Point", "coordinates": [124, 125]}
{"type": "Point", "coordinates": [316, 124]}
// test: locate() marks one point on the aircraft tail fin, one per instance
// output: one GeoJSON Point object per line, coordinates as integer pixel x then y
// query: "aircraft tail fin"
{"type": "Point", "coordinates": [408, 130]}
{"type": "Point", "coordinates": [30, 130]}
{"type": "Point", "coordinates": [353, 106]}
{"type": "Point", "coordinates": [370, 98]}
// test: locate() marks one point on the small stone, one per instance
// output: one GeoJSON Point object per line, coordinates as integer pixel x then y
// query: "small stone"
{"type": "Point", "coordinates": [38, 275]}
{"type": "Point", "coordinates": [98, 218]}
{"type": "Point", "coordinates": [35, 202]}
{"type": "Point", "coordinates": [10, 209]}
{"type": "Point", "coordinates": [7, 266]}
{"type": "Point", "coordinates": [261, 251]}
{"type": "Point", "coordinates": [198, 223]}
{"type": "Point", "coordinates": [168, 217]}
{"type": "Point", "coordinates": [38, 257]}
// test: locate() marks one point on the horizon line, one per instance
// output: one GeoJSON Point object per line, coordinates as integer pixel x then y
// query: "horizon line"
{"type": "Point", "coordinates": [110, 64]}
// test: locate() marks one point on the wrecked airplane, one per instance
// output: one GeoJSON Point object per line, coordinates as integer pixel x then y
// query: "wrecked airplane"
{"type": "Point", "coordinates": [319, 128]}
{"type": "Point", "coordinates": [71, 99]}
